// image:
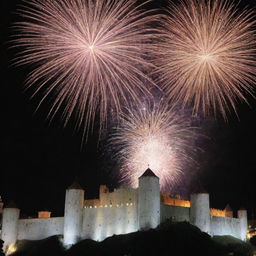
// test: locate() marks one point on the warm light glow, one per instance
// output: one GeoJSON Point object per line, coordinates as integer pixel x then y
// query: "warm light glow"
{"type": "Point", "coordinates": [217, 212]}
{"type": "Point", "coordinates": [11, 249]}
{"type": "Point", "coordinates": [44, 214]}
{"type": "Point", "coordinates": [167, 200]}
{"type": "Point", "coordinates": [206, 57]}
{"type": "Point", "coordinates": [91, 47]}
{"type": "Point", "coordinates": [206, 54]}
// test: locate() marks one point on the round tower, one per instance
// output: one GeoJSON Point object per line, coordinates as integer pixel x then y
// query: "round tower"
{"type": "Point", "coordinates": [200, 210]}
{"type": "Point", "coordinates": [10, 225]}
{"type": "Point", "coordinates": [73, 214]}
{"type": "Point", "coordinates": [242, 215]}
{"type": "Point", "coordinates": [149, 200]}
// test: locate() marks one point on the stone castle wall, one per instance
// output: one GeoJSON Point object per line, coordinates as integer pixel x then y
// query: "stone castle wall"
{"type": "Point", "coordinates": [222, 226]}
{"type": "Point", "coordinates": [122, 211]}
{"type": "Point", "coordinates": [35, 229]}
{"type": "Point", "coordinates": [105, 221]}
{"type": "Point", "coordinates": [175, 213]}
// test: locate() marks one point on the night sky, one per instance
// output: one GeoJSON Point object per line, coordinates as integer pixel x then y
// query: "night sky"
{"type": "Point", "coordinates": [39, 160]}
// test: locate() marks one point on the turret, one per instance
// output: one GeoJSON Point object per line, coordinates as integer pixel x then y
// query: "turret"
{"type": "Point", "coordinates": [74, 203]}
{"type": "Point", "coordinates": [228, 211]}
{"type": "Point", "coordinates": [10, 225]}
{"type": "Point", "coordinates": [149, 200]}
{"type": "Point", "coordinates": [242, 215]}
{"type": "Point", "coordinates": [200, 209]}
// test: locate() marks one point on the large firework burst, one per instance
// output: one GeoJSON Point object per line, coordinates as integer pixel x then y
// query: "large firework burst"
{"type": "Point", "coordinates": [154, 137]}
{"type": "Point", "coordinates": [206, 55]}
{"type": "Point", "coordinates": [87, 55]}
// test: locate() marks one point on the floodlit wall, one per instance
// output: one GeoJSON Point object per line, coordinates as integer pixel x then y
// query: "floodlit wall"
{"type": "Point", "coordinates": [175, 213]}
{"type": "Point", "coordinates": [119, 196]}
{"type": "Point", "coordinates": [225, 226]}
{"type": "Point", "coordinates": [36, 229]}
{"type": "Point", "coordinates": [105, 221]}
{"type": "Point", "coordinates": [166, 199]}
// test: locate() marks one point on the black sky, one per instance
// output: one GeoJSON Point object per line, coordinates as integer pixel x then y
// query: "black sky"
{"type": "Point", "coordinates": [40, 160]}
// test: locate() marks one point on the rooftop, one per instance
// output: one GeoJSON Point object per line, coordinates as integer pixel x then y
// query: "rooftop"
{"type": "Point", "coordinates": [148, 173]}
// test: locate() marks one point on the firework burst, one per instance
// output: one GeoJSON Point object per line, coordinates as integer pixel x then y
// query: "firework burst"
{"type": "Point", "coordinates": [206, 55]}
{"type": "Point", "coordinates": [157, 138]}
{"type": "Point", "coordinates": [87, 56]}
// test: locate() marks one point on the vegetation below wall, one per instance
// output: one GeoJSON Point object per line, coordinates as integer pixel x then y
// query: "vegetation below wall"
{"type": "Point", "coordinates": [169, 239]}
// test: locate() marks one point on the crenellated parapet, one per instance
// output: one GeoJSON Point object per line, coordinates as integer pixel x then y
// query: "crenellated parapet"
{"type": "Point", "coordinates": [121, 211]}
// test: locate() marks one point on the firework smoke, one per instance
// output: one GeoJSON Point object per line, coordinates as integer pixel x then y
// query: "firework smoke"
{"type": "Point", "coordinates": [87, 56]}
{"type": "Point", "coordinates": [206, 55]}
{"type": "Point", "coordinates": [157, 138]}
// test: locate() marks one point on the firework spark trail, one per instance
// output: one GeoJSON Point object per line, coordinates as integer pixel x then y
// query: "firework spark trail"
{"type": "Point", "coordinates": [88, 55]}
{"type": "Point", "coordinates": [158, 138]}
{"type": "Point", "coordinates": [206, 54]}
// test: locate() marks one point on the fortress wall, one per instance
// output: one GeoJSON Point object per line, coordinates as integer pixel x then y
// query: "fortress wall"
{"type": "Point", "coordinates": [102, 222]}
{"type": "Point", "coordinates": [225, 226]}
{"type": "Point", "coordinates": [36, 229]}
{"type": "Point", "coordinates": [166, 199]}
{"type": "Point", "coordinates": [176, 213]}
{"type": "Point", "coordinates": [217, 212]}
{"type": "Point", "coordinates": [118, 196]}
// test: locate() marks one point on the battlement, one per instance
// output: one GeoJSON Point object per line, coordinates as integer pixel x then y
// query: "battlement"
{"type": "Point", "coordinates": [109, 206]}
{"type": "Point", "coordinates": [122, 211]}
{"type": "Point", "coordinates": [119, 196]}
{"type": "Point", "coordinates": [167, 200]}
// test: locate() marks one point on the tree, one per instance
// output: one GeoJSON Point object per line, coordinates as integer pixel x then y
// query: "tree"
{"type": "Point", "coordinates": [1, 248]}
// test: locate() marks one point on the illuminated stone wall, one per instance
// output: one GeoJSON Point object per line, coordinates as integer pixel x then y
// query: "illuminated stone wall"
{"type": "Point", "coordinates": [217, 212]}
{"type": "Point", "coordinates": [175, 213]}
{"type": "Point", "coordinates": [122, 211]}
{"type": "Point", "coordinates": [40, 228]}
{"type": "Point", "coordinates": [166, 199]}
{"type": "Point", "coordinates": [225, 226]}
{"type": "Point", "coordinates": [101, 222]}
{"type": "Point", "coordinates": [119, 196]}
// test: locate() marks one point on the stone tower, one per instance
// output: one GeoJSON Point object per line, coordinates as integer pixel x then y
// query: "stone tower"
{"type": "Point", "coordinates": [74, 203]}
{"type": "Point", "coordinates": [148, 200]}
{"type": "Point", "coordinates": [200, 209]}
{"type": "Point", "coordinates": [10, 225]}
{"type": "Point", "coordinates": [242, 215]}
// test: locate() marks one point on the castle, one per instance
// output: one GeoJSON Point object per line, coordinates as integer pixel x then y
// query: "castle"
{"type": "Point", "coordinates": [122, 211]}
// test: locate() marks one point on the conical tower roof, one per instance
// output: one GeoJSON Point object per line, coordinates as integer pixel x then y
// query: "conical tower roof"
{"type": "Point", "coordinates": [11, 204]}
{"type": "Point", "coordinates": [75, 185]}
{"type": "Point", "coordinates": [148, 173]}
{"type": "Point", "coordinates": [199, 189]}
{"type": "Point", "coordinates": [228, 208]}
